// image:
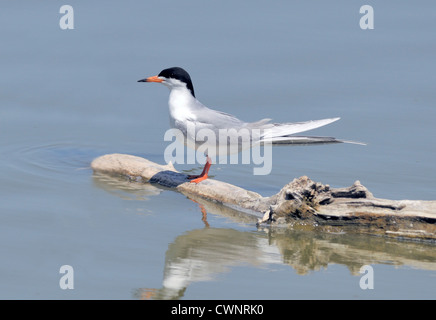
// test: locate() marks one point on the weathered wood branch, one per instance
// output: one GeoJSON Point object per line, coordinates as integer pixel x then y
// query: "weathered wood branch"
{"type": "Point", "coordinates": [300, 202]}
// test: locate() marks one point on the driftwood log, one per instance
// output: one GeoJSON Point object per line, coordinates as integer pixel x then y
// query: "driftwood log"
{"type": "Point", "coordinates": [301, 203]}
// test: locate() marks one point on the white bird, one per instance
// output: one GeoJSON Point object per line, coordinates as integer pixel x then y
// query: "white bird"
{"type": "Point", "coordinates": [187, 112]}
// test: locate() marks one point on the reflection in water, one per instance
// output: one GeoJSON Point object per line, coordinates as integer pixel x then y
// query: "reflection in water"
{"type": "Point", "coordinates": [203, 212]}
{"type": "Point", "coordinates": [310, 251]}
{"type": "Point", "coordinates": [125, 188]}
{"type": "Point", "coordinates": [203, 254]}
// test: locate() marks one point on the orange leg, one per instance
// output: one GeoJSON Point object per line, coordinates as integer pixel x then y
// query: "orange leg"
{"type": "Point", "coordinates": [203, 175]}
{"type": "Point", "coordinates": [204, 213]}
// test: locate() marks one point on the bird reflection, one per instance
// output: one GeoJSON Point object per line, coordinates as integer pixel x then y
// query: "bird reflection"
{"type": "Point", "coordinates": [203, 212]}
{"type": "Point", "coordinates": [202, 254]}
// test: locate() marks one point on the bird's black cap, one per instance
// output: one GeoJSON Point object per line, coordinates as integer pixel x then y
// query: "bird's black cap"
{"type": "Point", "coordinates": [179, 74]}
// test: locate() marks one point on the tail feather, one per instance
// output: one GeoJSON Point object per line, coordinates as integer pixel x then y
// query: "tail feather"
{"type": "Point", "coordinates": [282, 133]}
{"type": "Point", "coordinates": [305, 140]}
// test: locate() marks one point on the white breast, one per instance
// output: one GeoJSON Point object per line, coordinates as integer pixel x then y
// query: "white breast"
{"type": "Point", "coordinates": [181, 105]}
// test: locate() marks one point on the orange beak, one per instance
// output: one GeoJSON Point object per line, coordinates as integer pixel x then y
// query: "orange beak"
{"type": "Point", "coordinates": [151, 79]}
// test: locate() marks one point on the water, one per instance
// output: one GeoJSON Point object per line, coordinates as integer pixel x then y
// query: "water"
{"type": "Point", "coordinates": [69, 96]}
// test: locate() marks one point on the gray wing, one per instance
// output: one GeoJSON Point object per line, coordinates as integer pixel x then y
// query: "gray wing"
{"type": "Point", "coordinates": [213, 119]}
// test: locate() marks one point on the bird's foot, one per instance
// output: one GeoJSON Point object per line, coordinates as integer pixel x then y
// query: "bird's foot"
{"type": "Point", "coordinates": [203, 175]}
{"type": "Point", "coordinates": [197, 178]}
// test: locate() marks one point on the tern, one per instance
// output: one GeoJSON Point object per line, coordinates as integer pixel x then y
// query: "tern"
{"type": "Point", "coordinates": [187, 112]}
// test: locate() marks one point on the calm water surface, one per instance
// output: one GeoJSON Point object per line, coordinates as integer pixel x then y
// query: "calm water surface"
{"type": "Point", "coordinates": [69, 96]}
